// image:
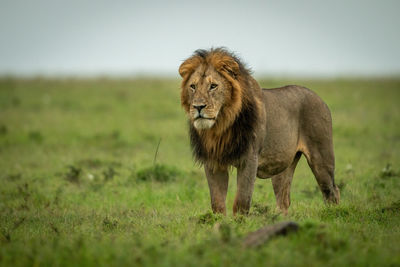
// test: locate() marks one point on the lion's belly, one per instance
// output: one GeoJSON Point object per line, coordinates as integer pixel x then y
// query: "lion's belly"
{"type": "Point", "coordinates": [273, 164]}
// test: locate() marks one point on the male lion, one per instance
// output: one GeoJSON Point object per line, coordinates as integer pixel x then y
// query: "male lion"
{"type": "Point", "coordinates": [261, 132]}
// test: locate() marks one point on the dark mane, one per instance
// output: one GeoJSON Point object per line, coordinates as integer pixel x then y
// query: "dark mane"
{"type": "Point", "coordinates": [203, 53]}
{"type": "Point", "coordinates": [241, 133]}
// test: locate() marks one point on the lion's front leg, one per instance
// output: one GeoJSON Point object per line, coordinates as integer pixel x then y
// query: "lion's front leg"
{"type": "Point", "coordinates": [218, 184]}
{"type": "Point", "coordinates": [246, 175]}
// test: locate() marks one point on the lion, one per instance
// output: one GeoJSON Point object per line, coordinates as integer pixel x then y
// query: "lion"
{"type": "Point", "coordinates": [260, 132]}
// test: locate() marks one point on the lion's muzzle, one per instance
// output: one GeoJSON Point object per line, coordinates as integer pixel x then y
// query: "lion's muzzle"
{"type": "Point", "coordinates": [202, 120]}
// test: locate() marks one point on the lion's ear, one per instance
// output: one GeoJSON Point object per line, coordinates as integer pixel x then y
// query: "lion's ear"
{"type": "Point", "coordinates": [229, 66]}
{"type": "Point", "coordinates": [188, 66]}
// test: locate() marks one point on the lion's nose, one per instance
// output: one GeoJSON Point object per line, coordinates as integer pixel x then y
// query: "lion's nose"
{"type": "Point", "coordinates": [199, 107]}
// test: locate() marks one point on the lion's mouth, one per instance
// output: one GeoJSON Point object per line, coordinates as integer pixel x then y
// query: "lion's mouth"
{"type": "Point", "coordinates": [202, 117]}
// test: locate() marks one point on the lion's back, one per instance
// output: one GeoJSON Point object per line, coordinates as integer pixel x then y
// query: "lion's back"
{"type": "Point", "coordinates": [294, 100]}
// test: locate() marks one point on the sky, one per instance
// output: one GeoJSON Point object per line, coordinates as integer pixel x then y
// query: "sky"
{"type": "Point", "coordinates": [89, 38]}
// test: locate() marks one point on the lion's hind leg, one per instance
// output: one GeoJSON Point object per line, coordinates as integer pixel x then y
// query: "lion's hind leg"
{"type": "Point", "coordinates": [316, 143]}
{"type": "Point", "coordinates": [322, 163]}
{"type": "Point", "coordinates": [281, 184]}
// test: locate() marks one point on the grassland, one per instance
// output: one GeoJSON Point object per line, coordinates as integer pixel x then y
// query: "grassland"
{"type": "Point", "coordinates": [80, 183]}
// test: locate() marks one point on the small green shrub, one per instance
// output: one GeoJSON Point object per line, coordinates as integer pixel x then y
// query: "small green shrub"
{"type": "Point", "coordinates": [74, 174]}
{"type": "Point", "coordinates": [388, 172]}
{"type": "Point", "coordinates": [394, 207]}
{"type": "Point", "coordinates": [208, 218]}
{"type": "Point", "coordinates": [159, 173]}
{"type": "Point", "coordinates": [109, 173]}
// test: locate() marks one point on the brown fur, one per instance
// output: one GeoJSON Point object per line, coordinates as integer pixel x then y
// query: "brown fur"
{"type": "Point", "coordinates": [261, 132]}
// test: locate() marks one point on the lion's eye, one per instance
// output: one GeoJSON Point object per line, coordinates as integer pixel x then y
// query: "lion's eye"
{"type": "Point", "coordinates": [193, 86]}
{"type": "Point", "coordinates": [213, 86]}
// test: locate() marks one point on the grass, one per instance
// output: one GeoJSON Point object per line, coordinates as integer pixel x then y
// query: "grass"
{"type": "Point", "coordinates": [80, 184]}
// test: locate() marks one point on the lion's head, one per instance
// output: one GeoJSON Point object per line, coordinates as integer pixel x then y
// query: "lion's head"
{"type": "Point", "coordinates": [221, 98]}
{"type": "Point", "coordinates": [211, 90]}
{"type": "Point", "coordinates": [207, 92]}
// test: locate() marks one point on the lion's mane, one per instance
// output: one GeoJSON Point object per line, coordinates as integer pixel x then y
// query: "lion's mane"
{"type": "Point", "coordinates": [235, 128]}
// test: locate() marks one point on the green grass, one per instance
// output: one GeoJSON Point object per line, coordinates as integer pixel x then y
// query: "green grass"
{"type": "Point", "coordinates": [79, 185]}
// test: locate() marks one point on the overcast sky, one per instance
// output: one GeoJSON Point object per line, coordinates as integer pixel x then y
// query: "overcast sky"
{"type": "Point", "coordinates": [341, 37]}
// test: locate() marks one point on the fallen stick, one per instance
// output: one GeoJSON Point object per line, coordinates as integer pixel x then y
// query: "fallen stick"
{"type": "Point", "coordinates": [262, 235]}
